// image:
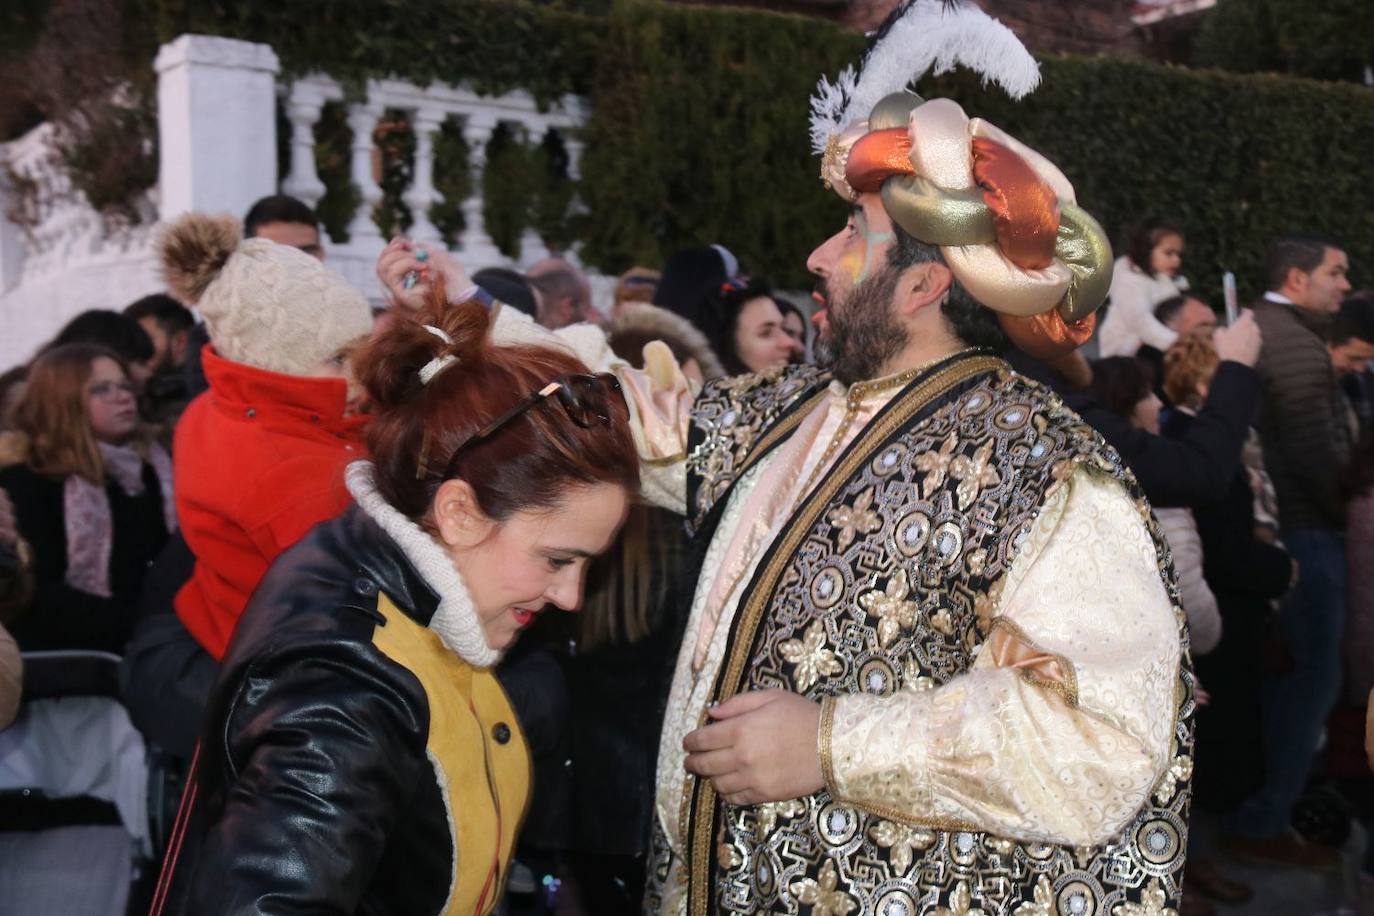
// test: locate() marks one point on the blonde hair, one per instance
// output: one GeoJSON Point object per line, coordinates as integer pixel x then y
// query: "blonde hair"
{"type": "Point", "coordinates": [1189, 363]}
{"type": "Point", "coordinates": [52, 412]}
{"type": "Point", "coordinates": [636, 285]}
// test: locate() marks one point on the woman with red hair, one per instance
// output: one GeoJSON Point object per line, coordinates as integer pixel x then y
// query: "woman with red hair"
{"type": "Point", "coordinates": [358, 753]}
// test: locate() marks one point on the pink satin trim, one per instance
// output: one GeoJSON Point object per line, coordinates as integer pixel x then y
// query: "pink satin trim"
{"type": "Point", "coordinates": [1010, 652]}
{"type": "Point", "coordinates": [663, 414]}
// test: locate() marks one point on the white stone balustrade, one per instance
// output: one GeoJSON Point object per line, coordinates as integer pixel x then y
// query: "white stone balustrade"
{"type": "Point", "coordinates": [217, 129]}
{"type": "Point", "coordinates": [427, 109]}
{"type": "Point", "coordinates": [363, 232]}
{"type": "Point", "coordinates": [303, 110]}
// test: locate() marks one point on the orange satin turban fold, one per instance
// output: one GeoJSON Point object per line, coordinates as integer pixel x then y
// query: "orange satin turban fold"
{"type": "Point", "coordinates": [876, 157]}
{"type": "Point", "coordinates": [1047, 335]}
{"type": "Point", "coordinates": [1025, 208]}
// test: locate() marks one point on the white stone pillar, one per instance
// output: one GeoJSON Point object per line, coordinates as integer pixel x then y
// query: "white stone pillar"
{"type": "Point", "coordinates": [303, 111]}
{"type": "Point", "coordinates": [475, 245]}
{"type": "Point", "coordinates": [421, 195]}
{"type": "Point", "coordinates": [362, 120]}
{"type": "Point", "coordinates": [217, 124]}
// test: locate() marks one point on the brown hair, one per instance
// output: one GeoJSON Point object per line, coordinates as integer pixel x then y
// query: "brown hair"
{"type": "Point", "coordinates": [52, 412]}
{"type": "Point", "coordinates": [530, 464]}
{"type": "Point", "coordinates": [628, 586]}
{"type": "Point", "coordinates": [1143, 236]}
{"type": "Point", "coordinates": [1191, 361]}
{"type": "Point", "coordinates": [1120, 383]}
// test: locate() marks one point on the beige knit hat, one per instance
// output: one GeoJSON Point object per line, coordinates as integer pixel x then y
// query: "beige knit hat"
{"type": "Point", "coordinates": [266, 305]}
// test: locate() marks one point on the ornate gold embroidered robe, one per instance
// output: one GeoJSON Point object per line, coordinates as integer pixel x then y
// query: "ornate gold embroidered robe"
{"type": "Point", "coordinates": [971, 584]}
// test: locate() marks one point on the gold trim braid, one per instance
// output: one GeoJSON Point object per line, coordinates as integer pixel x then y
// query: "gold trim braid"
{"type": "Point", "coordinates": [825, 742]}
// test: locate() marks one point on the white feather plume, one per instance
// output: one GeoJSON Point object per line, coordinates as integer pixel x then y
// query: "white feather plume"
{"type": "Point", "coordinates": [929, 36]}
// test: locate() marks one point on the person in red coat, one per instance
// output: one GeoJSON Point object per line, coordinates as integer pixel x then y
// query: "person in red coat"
{"type": "Point", "coordinates": [260, 456]}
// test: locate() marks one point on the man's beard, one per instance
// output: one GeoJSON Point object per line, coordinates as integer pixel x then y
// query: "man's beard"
{"type": "Point", "coordinates": [863, 334]}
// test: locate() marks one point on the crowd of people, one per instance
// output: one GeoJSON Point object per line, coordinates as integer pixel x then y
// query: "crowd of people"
{"type": "Point", "coordinates": [320, 534]}
{"type": "Point", "coordinates": [141, 519]}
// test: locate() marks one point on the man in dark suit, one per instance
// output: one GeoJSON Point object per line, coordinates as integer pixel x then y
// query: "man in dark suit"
{"type": "Point", "coordinates": [1306, 438]}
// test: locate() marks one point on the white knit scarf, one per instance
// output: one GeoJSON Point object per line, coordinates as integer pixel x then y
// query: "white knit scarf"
{"type": "Point", "coordinates": [88, 520]}
{"type": "Point", "coordinates": [455, 621]}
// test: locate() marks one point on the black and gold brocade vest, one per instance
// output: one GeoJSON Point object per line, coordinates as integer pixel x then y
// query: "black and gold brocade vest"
{"type": "Point", "coordinates": [945, 483]}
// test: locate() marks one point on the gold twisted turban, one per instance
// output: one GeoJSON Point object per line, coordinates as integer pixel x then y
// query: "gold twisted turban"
{"type": "Point", "coordinates": [1004, 217]}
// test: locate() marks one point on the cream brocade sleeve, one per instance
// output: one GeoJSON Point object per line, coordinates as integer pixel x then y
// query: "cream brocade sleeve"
{"type": "Point", "coordinates": [1064, 724]}
{"type": "Point", "coordinates": [659, 398]}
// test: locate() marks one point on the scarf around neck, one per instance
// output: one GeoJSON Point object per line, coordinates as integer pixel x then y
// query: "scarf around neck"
{"type": "Point", "coordinates": [89, 521]}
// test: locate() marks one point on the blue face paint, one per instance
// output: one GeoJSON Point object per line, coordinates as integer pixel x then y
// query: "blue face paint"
{"type": "Point", "coordinates": [872, 239]}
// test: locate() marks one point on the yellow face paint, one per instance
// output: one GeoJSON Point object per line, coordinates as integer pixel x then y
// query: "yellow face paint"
{"type": "Point", "coordinates": [858, 261]}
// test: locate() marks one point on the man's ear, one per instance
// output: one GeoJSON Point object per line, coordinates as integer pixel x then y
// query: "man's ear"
{"type": "Point", "coordinates": [1297, 279]}
{"type": "Point", "coordinates": [922, 286]}
{"type": "Point", "coordinates": [457, 516]}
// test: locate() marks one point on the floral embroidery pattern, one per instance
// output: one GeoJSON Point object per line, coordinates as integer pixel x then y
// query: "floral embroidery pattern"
{"type": "Point", "coordinates": [769, 814]}
{"type": "Point", "coordinates": [936, 465]}
{"type": "Point", "coordinates": [960, 904]}
{"type": "Point", "coordinates": [1152, 903]}
{"type": "Point", "coordinates": [810, 656]}
{"type": "Point", "coordinates": [1179, 772]}
{"type": "Point", "coordinates": [904, 840]}
{"type": "Point", "coordinates": [891, 607]}
{"type": "Point", "coordinates": [825, 900]}
{"type": "Point", "coordinates": [856, 519]}
{"type": "Point", "coordinates": [1042, 905]}
{"type": "Point", "coordinates": [974, 474]}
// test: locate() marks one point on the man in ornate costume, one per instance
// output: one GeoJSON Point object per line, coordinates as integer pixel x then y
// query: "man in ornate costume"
{"type": "Point", "coordinates": [935, 663]}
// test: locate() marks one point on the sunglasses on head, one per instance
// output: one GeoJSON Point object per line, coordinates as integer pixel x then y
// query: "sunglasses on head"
{"type": "Point", "coordinates": [586, 399]}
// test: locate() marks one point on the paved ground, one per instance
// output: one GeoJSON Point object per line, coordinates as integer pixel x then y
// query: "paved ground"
{"type": "Point", "coordinates": [1299, 892]}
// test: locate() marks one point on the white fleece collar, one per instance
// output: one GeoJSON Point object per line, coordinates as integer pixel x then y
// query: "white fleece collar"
{"type": "Point", "coordinates": [455, 620]}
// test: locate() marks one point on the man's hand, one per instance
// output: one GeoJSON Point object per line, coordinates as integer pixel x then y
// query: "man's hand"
{"type": "Point", "coordinates": [398, 259]}
{"type": "Point", "coordinates": [1241, 341]}
{"type": "Point", "coordinates": [762, 747]}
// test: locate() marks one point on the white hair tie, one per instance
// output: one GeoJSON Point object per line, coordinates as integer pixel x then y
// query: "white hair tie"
{"type": "Point", "coordinates": [439, 363]}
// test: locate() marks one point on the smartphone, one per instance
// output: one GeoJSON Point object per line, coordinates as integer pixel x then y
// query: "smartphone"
{"type": "Point", "coordinates": [1228, 293]}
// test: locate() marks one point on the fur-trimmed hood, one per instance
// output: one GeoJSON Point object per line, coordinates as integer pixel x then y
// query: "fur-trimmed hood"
{"type": "Point", "coordinates": [640, 323]}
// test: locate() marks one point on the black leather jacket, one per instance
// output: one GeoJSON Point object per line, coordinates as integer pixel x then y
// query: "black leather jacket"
{"type": "Point", "coordinates": [312, 791]}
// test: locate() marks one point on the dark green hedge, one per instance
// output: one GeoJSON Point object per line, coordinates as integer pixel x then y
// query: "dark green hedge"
{"type": "Point", "coordinates": [1326, 39]}
{"type": "Point", "coordinates": [1236, 159]}
{"type": "Point", "coordinates": [496, 45]}
{"type": "Point", "coordinates": [699, 133]}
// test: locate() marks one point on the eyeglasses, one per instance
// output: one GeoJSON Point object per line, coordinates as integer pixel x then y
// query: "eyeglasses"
{"type": "Point", "coordinates": [585, 398]}
{"type": "Point", "coordinates": [107, 390]}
